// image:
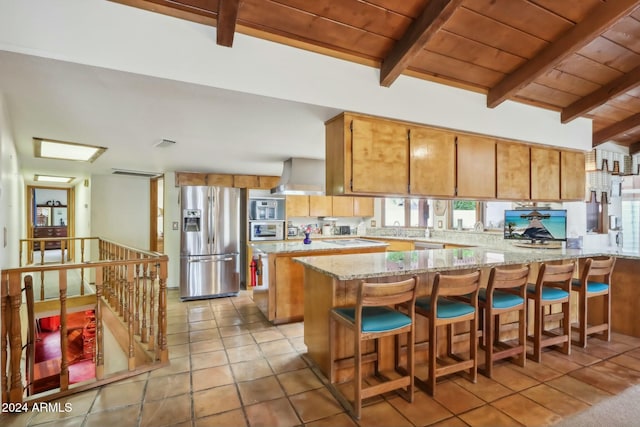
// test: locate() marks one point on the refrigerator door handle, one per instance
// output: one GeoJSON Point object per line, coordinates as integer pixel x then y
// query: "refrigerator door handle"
{"type": "Point", "coordinates": [211, 259]}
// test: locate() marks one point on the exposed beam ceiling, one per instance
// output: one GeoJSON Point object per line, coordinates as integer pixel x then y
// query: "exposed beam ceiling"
{"type": "Point", "coordinates": [432, 18]}
{"type": "Point", "coordinates": [595, 99]}
{"type": "Point", "coordinates": [227, 17]}
{"type": "Point", "coordinates": [573, 40]}
{"type": "Point", "coordinates": [633, 149]}
{"type": "Point", "coordinates": [616, 129]}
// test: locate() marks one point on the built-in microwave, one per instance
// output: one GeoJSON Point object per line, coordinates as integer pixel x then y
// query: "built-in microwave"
{"type": "Point", "coordinates": [266, 230]}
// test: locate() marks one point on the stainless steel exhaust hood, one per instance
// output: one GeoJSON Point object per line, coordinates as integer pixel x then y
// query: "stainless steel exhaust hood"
{"type": "Point", "coordinates": [301, 176]}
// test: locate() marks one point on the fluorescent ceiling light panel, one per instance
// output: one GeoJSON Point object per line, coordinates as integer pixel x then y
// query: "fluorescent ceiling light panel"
{"type": "Point", "coordinates": [51, 178]}
{"type": "Point", "coordinates": [51, 149]}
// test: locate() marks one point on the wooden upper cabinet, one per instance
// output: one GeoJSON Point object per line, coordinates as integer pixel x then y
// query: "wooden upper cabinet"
{"type": "Point", "coordinates": [297, 206]}
{"type": "Point", "coordinates": [363, 206]}
{"type": "Point", "coordinates": [267, 182]}
{"type": "Point", "coordinates": [512, 171]}
{"type": "Point", "coordinates": [476, 167]}
{"type": "Point", "coordinates": [246, 181]}
{"type": "Point", "coordinates": [432, 162]}
{"type": "Point", "coordinates": [572, 175]}
{"type": "Point", "coordinates": [379, 157]}
{"type": "Point", "coordinates": [342, 206]}
{"type": "Point", "coordinates": [189, 178]}
{"type": "Point", "coordinates": [320, 206]}
{"type": "Point", "coordinates": [545, 174]}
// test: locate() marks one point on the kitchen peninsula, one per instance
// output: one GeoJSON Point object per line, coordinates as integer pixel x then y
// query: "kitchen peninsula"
{"type": "Point", "coordinates": [280, 296]}
{"type": "Point", "coordinates": [331, 281]}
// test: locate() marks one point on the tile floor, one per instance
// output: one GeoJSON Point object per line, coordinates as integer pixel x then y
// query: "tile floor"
{"type": "Point", "coordinates": [230, 367]}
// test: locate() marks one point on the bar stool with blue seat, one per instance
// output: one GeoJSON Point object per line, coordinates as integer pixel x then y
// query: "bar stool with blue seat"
{"type": "Point", "coordinates": [552, 287]}
{"type": "Point", "coordinates": [374, 316]}
{"type": "Point", "coordinates": [505, 293]}
{"type": "Point", "coordinates": [594, 281]}
{"type": "Point", "coordinates": [453, 300]}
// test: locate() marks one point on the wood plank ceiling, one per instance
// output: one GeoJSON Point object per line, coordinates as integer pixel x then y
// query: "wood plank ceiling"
{"type": "Point", "coordinates": [579, 57]}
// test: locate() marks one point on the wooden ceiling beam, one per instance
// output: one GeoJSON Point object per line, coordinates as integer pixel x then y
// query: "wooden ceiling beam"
{"type": "Point", "coordinates": [608, 133]}
{"type": "Point", "coordinates": [595, 99]}
{"type": "Point", "coordinates": [432, 18]}
{"type": "Point", "coordinates": [599, 20]}
{"type": "Point", "coordinates": [227, 18]}
{"type": "Point", "coordinates": [634, 148]}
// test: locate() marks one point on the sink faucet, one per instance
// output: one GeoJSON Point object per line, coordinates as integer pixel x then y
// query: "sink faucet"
{"type": "Point", "coordinates": [397, 225]}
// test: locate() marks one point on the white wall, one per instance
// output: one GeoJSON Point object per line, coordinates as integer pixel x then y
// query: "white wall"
{"type": "Point", "coordinates": [11, 194]}
{"type": "Point", "coordinates": [120, 209]}
{"type": "Point", "coordinates": [171, 236]}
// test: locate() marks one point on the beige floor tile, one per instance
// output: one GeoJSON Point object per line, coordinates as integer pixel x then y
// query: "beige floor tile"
{"type": "Point", "coordinates": [608, 376]}
{"type": "Point", "coordinates": [315, 404]}
{"type": "Point", "coordinates": [259, 390]}
{"type": "Point", "coordinates": [175, 328]}
{"type": "Point", "coordinates": [338, 420]}
{"type": "Point", "coordinates": [167, 386]}
{"type": "Point", "coordinates": [579, 389]}
{"type": "Point", "coordinates": [537, 371]}
{"type": "Point", "coordinates": [526, 411]}
{"type": "Point", "coordinates": [205, 324]}
{"type": "Point", "coordinates": [126, 416]}
{"type": "Point", "coordinates": [254, 369]}
{"type": "Point", "coordinates": [298, 344]}
{"type": "Point", "coordinates": [205, 346]}
{"type": "Point", "coordinates": [238, 340]}
{"type": "Point", "coordinates": [234, 418]}
{"type": "Point", "coordinates": [66, 422]}
{"type": "Point", "coordinates": [272, 413]}
{"type": "Point", "coordinates": [166, 412]}
{"type": "Point", "coordinates": [115, 395]}
{"type": "Point", "coordinates": [178, 365]}
{"type": "Point", "coordinates": [273, 348]}
{"type": "Point", "coordinates": [229, 331]}
{"type": "Point", "coordinates": [485, 388]}
{"type": "Point", "coordinates": [286, 362]}
{"type": "Point", "coordinates": [450, 422]}
{"type": "Point", "coordinates": [204, 335]}
{"type": "Point", "coordinates": [180, 350]}
{"type": "Point", "coordinates": [423, 411]}
{"type": "Point", "coordinates": [196, 315]}
{"type": "Point", "coordinates": [298, 381]}
{"type": "Point", "coordinates": [253, 318]}
{"type": "Point", "coordinates": [244, 353]}
{"type": "Point", "coordinates": [268, 335]}
{"type": "Point", "coordinates": [208, 360]}
{"type": "Point", "coordinates": [179, 338]}
{"type": "Point", "coordinates": [488, 416]}
{"type": "Point", "coordinates": [513, 379]}
{"type": "Point", "coordinates": [234, 320]}
{"type": "Point", "coordinates": [382, 414]}
{"type": "Point", "coordinates": [215, 400]}
{"type": "Point", "coordinates": [455, 398]}
{"type": "Point", "coordinates": [626, 361]}
{"type": "Point", "coordinates": [553, 399]}
{"type": "Point", "coordinates": [292, 330]}
{"type": "Point", "coordinates": [211, 377]}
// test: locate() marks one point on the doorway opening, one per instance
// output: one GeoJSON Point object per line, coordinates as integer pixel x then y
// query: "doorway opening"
{"type": "Point", "coordinates": [50, 214]}
{"type": "Point", "coordinates": [156, 213]}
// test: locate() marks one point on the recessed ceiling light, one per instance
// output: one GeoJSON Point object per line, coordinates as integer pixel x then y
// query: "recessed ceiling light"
{"type": "Point", "coordinates": [51, 178]}
{"type": "Point", "coordinates": [51, 149]}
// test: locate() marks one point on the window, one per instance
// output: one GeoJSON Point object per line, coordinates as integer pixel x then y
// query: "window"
{"type": "Point", "coordinates": [406, 212]}
{"type": "Point", "coordinates": [493, 218]}
{"type": "Point", "coordinates": [464, 213]}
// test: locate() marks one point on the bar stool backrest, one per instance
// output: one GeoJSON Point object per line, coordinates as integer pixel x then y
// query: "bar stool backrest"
{"type": "Point", "coordinates": [597, 268]}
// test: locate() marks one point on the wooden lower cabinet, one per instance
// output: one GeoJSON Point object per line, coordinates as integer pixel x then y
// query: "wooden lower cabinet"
{"type": "Point", "coordinates": [396, 244]}
{"type": "Point", "coordinates": [282, 299]}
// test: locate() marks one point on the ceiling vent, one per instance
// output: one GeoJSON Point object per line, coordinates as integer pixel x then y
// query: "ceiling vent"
{"type": "Point", "coordinates": [165, 143]}
{"type": "Point", "coordinates": [139, 174]}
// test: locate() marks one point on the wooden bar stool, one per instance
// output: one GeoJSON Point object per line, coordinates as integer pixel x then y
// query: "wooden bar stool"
{"type": "Point", "coordinates": [588, 287]}
{"type": "Point", "coordinates": [505, 293]}
{"type": "Point", "coordinates": [552, 286]}
{"type": "Point", "coordinates": [443, 307]}
{"type": "Point", "coordinates": [371, 318]}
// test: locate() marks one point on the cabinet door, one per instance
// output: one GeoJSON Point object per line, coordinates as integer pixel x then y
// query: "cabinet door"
{"type": "Point", "coordinates": [320, 206]}
{"type": "Point", "coordinates": [363, 206]}
{"type": "Point", "coordinates": [379, 157]}
{"type": "Point", "coordinates": [512, 171]}
{"type": "Point", "coordinates": [572, 175]}
{"type": "Point", "coordinates": [297, 206]}
{"type": "Point", "coordinates": [342, 206]}
{"type": "Point", "coordinates": [432, 157]}
{"type": "Point", "coordinates": [476, 167]}
{"type": "Point", "coordinates": [545, 174]}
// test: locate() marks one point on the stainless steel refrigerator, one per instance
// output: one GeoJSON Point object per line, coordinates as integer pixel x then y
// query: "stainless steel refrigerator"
{"type": "Point", "coordinates": [210, 242]}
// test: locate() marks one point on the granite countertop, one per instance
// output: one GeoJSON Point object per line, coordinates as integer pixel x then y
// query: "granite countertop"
{"type": "Point", "coordinates": [315, 245]}
{"type": "Point", "coordinates": [364, 266]}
